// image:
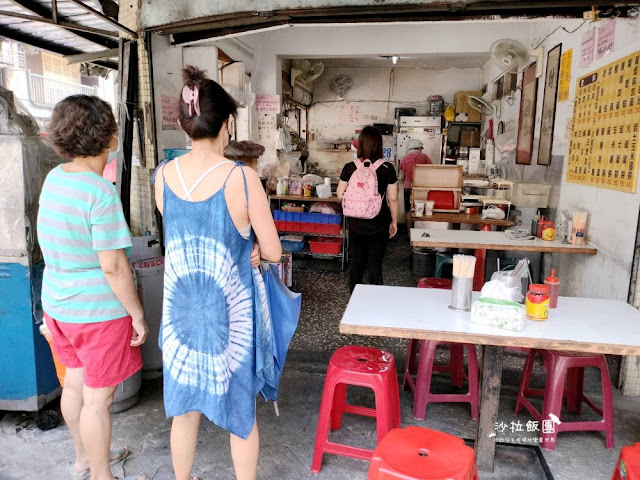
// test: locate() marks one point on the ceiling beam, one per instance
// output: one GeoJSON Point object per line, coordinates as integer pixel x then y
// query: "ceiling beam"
{"type": "Point", "coordinates": [92, 57]}
{"type": "Point", "coordinates": [218, 25]}
{"type": "Point", "coordinates": [65, 25]}
{"type": "Point", "coordinates": [101, 15]}
{"type": "Point", "coordinates": [49, 46]}
{"type": "Point", "coordinates": [42, 11]}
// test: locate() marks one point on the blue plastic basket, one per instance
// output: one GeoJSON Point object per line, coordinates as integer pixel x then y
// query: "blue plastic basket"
{"type": "Point", "coordinates": [171, 153]}
{"type": "Point", "coordinates": [290, 246]}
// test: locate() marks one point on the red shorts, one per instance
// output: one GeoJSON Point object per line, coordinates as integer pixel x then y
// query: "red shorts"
{"type": "Point", "coordinates": [102, 349]}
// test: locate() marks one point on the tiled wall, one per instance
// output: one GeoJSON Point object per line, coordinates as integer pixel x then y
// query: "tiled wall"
{"type": "Point", "coordinates": [142, 203]}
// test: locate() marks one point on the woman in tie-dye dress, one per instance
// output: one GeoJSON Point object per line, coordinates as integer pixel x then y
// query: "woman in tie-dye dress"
{"type": "Point", "coordinates": [215, 214]}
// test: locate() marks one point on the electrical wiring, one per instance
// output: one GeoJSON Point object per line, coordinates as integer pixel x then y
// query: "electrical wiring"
{"type": "Point", "coordinates": [560, 28]}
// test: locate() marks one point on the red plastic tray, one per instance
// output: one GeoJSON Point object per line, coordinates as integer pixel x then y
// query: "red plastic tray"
{"type": "Point", "coordinates": [322, 228]}
{"type": "Point", "coordinates": [330, 246]}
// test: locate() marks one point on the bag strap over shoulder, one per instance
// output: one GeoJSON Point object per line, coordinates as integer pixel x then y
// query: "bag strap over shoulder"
{"type": "Point", "coordinates": [378, 164]}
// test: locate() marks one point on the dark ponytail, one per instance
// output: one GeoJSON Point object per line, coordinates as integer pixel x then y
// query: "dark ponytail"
{"type": "Point", "coordinates": [214, 103]}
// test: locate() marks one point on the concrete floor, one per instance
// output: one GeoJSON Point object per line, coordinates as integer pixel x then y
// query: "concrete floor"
{"type": "Point", "coordinates": [287, 441]}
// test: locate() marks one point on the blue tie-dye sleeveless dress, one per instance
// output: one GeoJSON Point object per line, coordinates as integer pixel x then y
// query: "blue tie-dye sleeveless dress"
{"type": "Point", "coordinates": [207, 334]}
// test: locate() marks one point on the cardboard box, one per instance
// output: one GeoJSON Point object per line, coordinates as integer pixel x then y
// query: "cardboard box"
{"type": "Point", "coordinates": [470, 138]}
{"type": "Point", "coordinates": [462, 104]}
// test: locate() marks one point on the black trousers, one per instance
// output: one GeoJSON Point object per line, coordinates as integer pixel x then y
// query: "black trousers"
{"type": "Point", "coordinates": [367, 250]}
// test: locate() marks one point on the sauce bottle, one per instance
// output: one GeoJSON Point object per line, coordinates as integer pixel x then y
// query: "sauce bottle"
{"type": "Point", "coordinates": [541, 222]}
{"type": "Point", "coordinates": [534, 224]}
{"type": "Point", "coordinates": [553, 285]}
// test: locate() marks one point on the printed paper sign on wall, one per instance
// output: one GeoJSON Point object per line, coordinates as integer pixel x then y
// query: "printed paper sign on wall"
{"type": "Point", "coordinates": [269, 104]}
{"type": "Point", "coordinates": [603, 151]}
{"type": "Point", "coordinates": [170, 112]}
{"type": "Point", "coordinates": [565, 76]}
{"type": "Point", "coordinates": [606, 37]}
{"type": "Point", "coordinates": [586, 48]}
{"type": "Point", "coordinates": [349, 114]}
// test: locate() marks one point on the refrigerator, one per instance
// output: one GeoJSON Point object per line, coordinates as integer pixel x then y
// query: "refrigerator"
{"type": "Point", "coordinates": [427, 129]}
{"type": "Point", "coordinates": [28, 379]}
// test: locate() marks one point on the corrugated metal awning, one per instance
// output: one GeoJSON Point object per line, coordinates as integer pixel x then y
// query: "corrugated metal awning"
{"type": "Point", "coordinates": [66, 27]}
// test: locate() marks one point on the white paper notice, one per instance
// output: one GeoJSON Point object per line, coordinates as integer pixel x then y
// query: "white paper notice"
{"type": "Point", "coordinates": [266, 128]}
{"type": "Point", "coordinates": [586, 48]}
{"type": "Point", "coordinates": [349, 114]}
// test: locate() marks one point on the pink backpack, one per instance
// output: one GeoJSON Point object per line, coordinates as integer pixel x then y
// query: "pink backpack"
{"type": "Point", "coordinates": [361, 198]}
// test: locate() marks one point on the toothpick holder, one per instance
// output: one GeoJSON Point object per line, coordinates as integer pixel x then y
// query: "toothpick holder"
{"type": "Point", "coordinates": [461, 291]}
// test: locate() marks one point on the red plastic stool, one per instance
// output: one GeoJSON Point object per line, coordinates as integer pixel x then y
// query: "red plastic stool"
{"type": "Point", "coordinates": [561, 365]}
{"type": "Point", "coordinates": [628, 466]}
{"type": "Point", "coordinates": [363, 367]}
{"type": "Point", "coordinates": [421, 388]}
{"type": "Point", "coordinates": [416, 453]}
{"type": "Point", "coordinates": [455, 366]}
{"type": "Point", "coordinates": [434, 282]}
{"type": "Point", "coordinates": [456, 351]}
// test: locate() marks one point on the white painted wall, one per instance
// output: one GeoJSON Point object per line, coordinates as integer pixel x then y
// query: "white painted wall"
{"type": "Point", "coordinates": [613, 215]}
{"type": "Point", "coordinates": [373, 40]}
{"type": "Point", "coordinates": [377, 91]}
{"type": "Point", "coordinates": [168, 62]}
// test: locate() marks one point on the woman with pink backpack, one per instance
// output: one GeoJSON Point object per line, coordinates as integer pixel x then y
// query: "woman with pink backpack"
{"type": "Point", "coordinates": [369, 192]}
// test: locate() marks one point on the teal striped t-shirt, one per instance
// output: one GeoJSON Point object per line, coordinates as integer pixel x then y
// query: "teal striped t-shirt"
{"type": "Point", "coordinates": [80, 214]}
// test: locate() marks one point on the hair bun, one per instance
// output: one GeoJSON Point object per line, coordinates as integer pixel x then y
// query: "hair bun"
{"type": "Point", "coordinates": [193, 76]}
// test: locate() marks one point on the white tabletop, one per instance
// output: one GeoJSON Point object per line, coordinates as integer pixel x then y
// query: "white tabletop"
{"type": "Point", "coordinates": [491, 241]}
{"type": "Point", "coordinates": [578, 324]}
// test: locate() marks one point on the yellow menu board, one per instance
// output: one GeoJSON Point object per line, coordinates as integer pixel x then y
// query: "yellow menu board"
{"type": "Point", "coordinates": [603, 151]}
{"type": "Point", "coordinates": [564, 78]}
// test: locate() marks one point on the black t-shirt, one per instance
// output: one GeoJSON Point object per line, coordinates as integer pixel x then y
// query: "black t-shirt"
{"type": "Point", "coordinates": [380, 223]}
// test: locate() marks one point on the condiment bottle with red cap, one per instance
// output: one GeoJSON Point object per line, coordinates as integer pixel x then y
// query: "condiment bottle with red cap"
{"type": "Point", "coordinates": [537, 302]}
{"type": "Point", "coordinates": [553, 285]}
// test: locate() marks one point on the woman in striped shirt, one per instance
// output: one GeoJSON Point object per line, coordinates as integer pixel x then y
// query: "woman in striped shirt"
{"type": "Point", "coordinates": [88, 292]}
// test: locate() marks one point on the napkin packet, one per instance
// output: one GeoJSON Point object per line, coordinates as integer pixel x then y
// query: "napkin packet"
{"type": "Point", "coordinates": [496, 308]}
{"type": "Point", "coordinates": [493, 312]}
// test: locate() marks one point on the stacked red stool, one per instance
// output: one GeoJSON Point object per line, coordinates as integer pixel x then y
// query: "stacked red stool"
{"type": "Point", "coordinates": [628, 466]}
{"type": "Point", "coordinates": [424, 367]}
{"type": "Point", "coordinates": [416, 453]}
{"type": "Point", "coordinates": [363, 367]}
{"type": "Point", "coordinates": [569, 366]}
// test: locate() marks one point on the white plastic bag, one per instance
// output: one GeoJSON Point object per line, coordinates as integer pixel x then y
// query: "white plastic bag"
{"type": "Point", "coordinates": [502, 287]}
{"type": "Point", "coordinates": [323, 191]}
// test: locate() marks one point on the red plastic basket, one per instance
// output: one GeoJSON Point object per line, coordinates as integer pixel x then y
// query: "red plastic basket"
{"type": "Point", "coordinates": [327, 246]}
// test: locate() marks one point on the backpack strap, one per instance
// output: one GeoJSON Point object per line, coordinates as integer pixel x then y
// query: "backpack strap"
{"type": "Point", "coordinates": [358, 163]}
{"type": "Point", "coordinates": [378, 164]}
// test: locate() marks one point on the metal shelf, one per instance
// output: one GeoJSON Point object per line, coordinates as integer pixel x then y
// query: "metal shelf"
{"type": "Point", "coordinates": [306, 251]}
{"type": "Point", "coordinates": [312, 234]}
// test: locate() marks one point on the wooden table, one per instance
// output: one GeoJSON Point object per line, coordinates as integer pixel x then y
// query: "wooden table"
{"type": "Point", "coordinates": [578, 324]}
{"type": "Point", "coordinates": [483, 241]}
{"type": "Point", "coordinates": [465, 218]}
{"type": "Point", "coordinates": [492, 241]}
